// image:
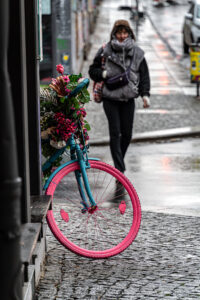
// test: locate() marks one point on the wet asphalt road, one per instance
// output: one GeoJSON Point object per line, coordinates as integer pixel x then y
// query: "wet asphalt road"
{"type": "Point", "coordinates": [165, 174]}
{"type": "Point", "coordinates": [163, 261]}
{"type": "Point", "coordinates": [168, 22]}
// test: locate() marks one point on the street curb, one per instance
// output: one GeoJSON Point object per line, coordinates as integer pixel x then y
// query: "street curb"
{"type": "Point", "coordinates": [156, 135]}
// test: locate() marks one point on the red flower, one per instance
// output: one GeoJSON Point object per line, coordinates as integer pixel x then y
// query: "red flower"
{"type": "Point", "coordinates": [60, 69]}
{"type": "Point", "coordinates": [67, 90]}
{"type": "Point", "coordinates": [81, 112]}
{"type": "Point", "coordinates": [65, 127]}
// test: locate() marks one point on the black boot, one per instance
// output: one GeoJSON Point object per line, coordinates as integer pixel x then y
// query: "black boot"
{"type": "Point", "coordinates": [120, 191]}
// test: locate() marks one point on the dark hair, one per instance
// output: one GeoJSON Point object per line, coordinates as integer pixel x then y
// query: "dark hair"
{"type": "Point", "coordinates": [120, 25]}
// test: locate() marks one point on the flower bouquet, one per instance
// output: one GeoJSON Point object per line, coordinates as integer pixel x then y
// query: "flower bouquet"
{"type": "Point", "coordinates": [62, 116]}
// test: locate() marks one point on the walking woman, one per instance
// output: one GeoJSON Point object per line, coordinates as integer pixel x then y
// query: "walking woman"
{"type": "Point", "coordinates": [126, 76]}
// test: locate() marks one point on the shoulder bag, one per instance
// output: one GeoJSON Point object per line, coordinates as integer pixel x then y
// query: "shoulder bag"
{"type": "Point", "coordinates": [120, 80]}
{"type": "Point", "coordinates": [98, 86]}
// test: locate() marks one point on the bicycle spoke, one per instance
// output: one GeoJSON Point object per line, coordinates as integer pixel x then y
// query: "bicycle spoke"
{"type": "Point", "coordinates": [101, 228]}
{"type": "Point", "coordinates": [95, 181]}
{"type": "Point", "coordinates": [101, 184]}
{"type": "Point", "coordinates": [100, 201]}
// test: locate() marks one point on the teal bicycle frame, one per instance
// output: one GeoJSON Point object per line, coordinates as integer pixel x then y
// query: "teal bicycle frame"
{"type": "Point", "coordinates": [80, 156]}
{"type": "Point", "coordinates": [77, 155]}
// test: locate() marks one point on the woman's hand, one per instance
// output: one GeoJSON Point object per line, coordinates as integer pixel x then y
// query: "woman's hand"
{"type": "Point", "coordinates": [146, 101]}
{"type": "Point", "coordinates": [104, 74]}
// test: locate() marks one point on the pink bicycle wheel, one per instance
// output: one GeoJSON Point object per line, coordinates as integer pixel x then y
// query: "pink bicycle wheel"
{"type": "Point", "coordinates": [102, 231]}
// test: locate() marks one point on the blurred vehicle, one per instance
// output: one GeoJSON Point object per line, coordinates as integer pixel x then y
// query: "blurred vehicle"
{"type": "Point", "coordinates": [191, 26]}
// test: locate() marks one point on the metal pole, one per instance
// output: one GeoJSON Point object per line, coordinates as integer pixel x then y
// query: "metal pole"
{"type": "Point", "coordinates": [10, 183]}
{"type": "Point", "coordinates": [32, 56]}
{"type": "Point", "coordinates": [137, 5]}
{"type": "Point", "coordinates": [18, 77]}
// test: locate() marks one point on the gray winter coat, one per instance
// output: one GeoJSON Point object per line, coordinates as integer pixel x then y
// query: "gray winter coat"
{"type": "Point", "coordinates": [117, 62]}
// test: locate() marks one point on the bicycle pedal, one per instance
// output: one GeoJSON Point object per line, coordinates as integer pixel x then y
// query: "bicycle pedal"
{"type": "Point", "coordinates": [64, 215]}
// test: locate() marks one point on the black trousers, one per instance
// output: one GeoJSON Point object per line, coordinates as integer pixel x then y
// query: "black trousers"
{"type": "Point", "coordinates": [120, 117]}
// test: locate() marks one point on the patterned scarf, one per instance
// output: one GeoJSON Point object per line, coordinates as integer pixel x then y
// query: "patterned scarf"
{"type": "Point", "coordinates": [126, 45]}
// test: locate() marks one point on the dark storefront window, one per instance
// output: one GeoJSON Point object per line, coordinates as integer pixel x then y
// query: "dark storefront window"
{"type": "Point", "coordinates": [46, 63]}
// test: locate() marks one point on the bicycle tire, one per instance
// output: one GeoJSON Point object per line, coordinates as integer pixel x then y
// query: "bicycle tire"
{"type": "Point", "coordinates": [119, 236]}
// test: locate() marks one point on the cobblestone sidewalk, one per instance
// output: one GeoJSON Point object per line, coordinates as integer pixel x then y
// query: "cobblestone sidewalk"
{"type": "Point", "coordinates": [162, 263]}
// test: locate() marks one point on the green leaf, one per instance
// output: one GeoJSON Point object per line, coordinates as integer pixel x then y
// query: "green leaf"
{"type": "Point", "coordinates": [76, 105]}
{"type": "Point", "coordinates": [86, 125]}
{"type": "Point", "coordinates": [75, 78]}
{"type": "Point", "coordinates": [72, 85]}
{"type": "Point", "coordinates": [85, 95]}
{"type": "Point", "coordinates": [62, 100]}
{"type": "Point", "coordinates": [75, 115]}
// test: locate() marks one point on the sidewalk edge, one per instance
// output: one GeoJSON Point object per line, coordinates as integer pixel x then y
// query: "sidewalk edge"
{"type": "Point", "coordinates": [156, 135]}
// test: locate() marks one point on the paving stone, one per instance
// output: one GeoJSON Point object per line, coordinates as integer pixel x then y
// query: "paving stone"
{"type": "Point", "coordinates": [150, 268]}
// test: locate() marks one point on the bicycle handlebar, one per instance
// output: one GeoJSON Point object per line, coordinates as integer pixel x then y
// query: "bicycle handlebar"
{"type": "Point", "coordinates": [79, 87]}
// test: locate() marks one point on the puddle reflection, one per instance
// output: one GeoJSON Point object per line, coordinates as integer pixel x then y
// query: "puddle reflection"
{"type": "Point", "coordinates": [164, 164]}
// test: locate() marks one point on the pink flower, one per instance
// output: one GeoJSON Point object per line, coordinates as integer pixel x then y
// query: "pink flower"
{"type": "Point", "coordinates": [66, 78]}
{"type": "Point", "coordinates": [53, 81]}
{"type": "Point", "coordinates": [67, 90]}
{"type": "Point", "coordinates": [60, 69]}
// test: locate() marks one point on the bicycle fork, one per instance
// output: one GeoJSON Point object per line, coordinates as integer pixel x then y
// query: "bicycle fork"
{"type": "Point", "coordinates": [82, 181]}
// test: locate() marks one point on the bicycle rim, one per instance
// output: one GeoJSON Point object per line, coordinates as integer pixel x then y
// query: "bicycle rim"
{"type": "Point", "coordinates": [104, 232]}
